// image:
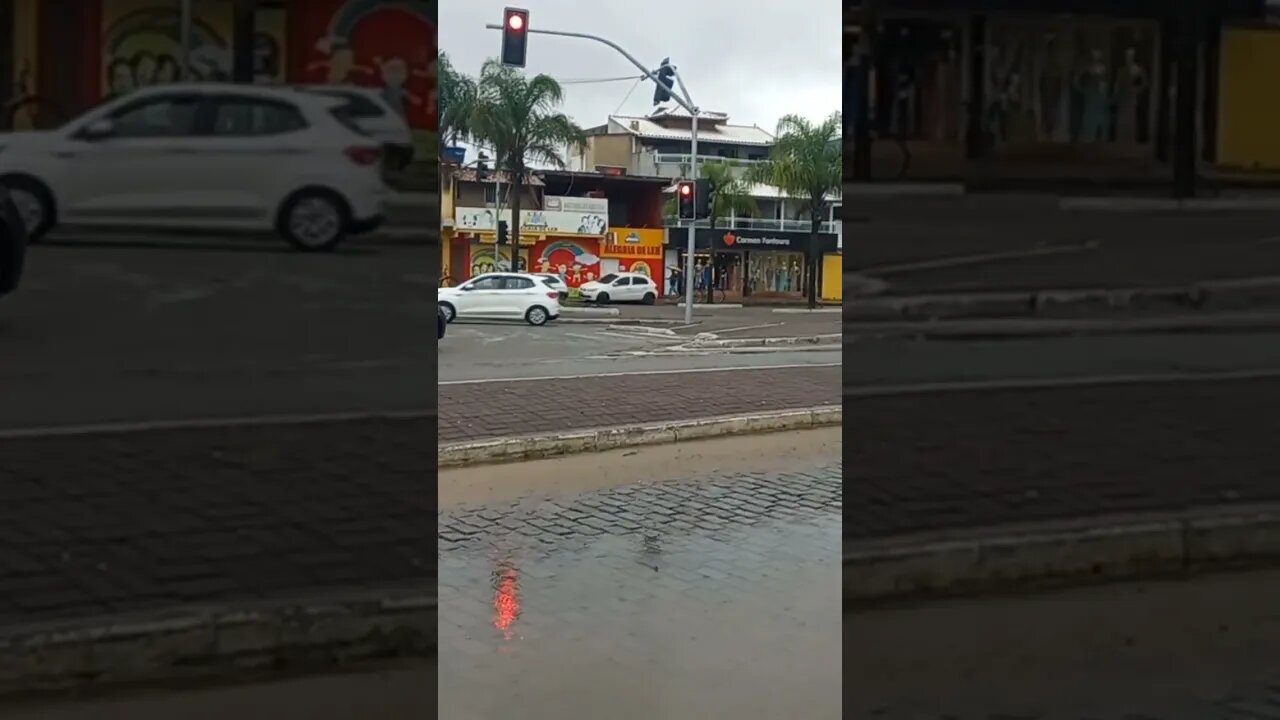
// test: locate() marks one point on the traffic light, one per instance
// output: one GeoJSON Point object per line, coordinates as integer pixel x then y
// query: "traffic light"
{"type": "Point", "coordinates": [515, 36]}
{"type": "Point", "coordinates": [502, 232]}
{"type": "Point", "coordinates": [666, 80]}
{"type": "Point", "coordinates": [704, 192]}
{"type": "Point", "coordinates": [686, 200]}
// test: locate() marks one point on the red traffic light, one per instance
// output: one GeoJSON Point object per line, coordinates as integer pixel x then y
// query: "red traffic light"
{"type": "Point", "coordinates": [685, 188]}
{"type": "Point", "coordinates": [515, 21]}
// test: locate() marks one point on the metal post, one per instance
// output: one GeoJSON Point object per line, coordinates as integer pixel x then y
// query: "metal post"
{"type": "Point", "coordinates": [689, 247]}
{"type": "Point", "coordinates": [184, 39]}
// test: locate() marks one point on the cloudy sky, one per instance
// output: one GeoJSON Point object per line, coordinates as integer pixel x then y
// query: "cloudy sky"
{"type": "Point", "coordinates": [756, 60]}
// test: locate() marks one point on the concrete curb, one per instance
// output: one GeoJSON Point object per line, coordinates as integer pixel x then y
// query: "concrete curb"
{"type": "Point", "coordinates": [629, 323]}
{"type": "Point", "coordinates": [1132, 204]}
{"type": "Point", "coordinates": [807, 311]}
{"type": "Point", "coordinates": [580, 310]}
{"type": "Point", "coordinates": [220, 642]}
{"type": "Point", "coordinates": [722, 306]}
{"type": "Point", "coordinates": [636, 329]}
{"type": "Point", "coordinates": [1043, 327]}
{"type": "Point", "coordinates": [612, 438]}
{"type": "Point", "coordinates": [995, 560]}
{"type": "Point", "coordinates": [712, 342]}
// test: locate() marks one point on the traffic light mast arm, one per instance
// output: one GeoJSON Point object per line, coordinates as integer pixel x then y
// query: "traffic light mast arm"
{"type": "Point", "coordinates": [682, 98]}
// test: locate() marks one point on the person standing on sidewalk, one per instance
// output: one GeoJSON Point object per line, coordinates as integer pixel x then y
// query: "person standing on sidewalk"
{"type": "Point", "coordinates": [673, 282]}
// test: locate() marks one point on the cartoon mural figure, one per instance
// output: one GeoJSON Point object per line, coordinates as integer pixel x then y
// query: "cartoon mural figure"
{"type": "Point", "coordinates": [569, 259]}
{"type": "Point", "coordinates": [383, 42]}
{"type": "Point", "coordinates": [141, 48]}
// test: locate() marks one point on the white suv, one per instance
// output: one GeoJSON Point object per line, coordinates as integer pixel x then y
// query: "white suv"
{"type": "Point", "coordinates": [217, 157]}
{"type": "Point", "coordinates": [620, 287]}
{"type": "Point", "coordinates": [501, 296]}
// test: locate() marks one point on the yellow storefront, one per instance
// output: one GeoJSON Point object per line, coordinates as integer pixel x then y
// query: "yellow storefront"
{"type": "Point", "coordinates": [833, 277]}
{"type": "Point", "coordinates": [1247, 112]}
{"type": "Point", "coordinates": [637, 250]}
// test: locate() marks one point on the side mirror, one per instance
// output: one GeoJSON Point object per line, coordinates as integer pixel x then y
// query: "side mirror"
{"type": "Point", "coordinates": [466, 288]}
{"type": "Point", "coordinates": [98, 130]}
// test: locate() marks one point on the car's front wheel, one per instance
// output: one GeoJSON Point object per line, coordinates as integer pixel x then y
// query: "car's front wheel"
{"type": "Point", "coordinates": [537, 315]}
{"type": "Point", "coordinates": [34, 203]}
{"type": "Point", "coordinates": [314, 221]}
{"type": "Point", "coordinates": [449, 311]}
{"type": "Point", "coordinates": [602, 298]}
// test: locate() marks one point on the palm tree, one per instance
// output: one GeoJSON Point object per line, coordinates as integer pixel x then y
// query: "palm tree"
{"type": "Point", "coordinates": [805, 163]}
{"type": "Point", "coordinates": [732, 197]}
{"type": "Point", "coordinates": [457, 96]}
{"type": "Point", "coordinates": [518, 117]}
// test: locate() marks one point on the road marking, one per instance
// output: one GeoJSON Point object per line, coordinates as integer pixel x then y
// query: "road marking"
{"type": "Point", "coordinates": [745, 327]}
{"type": "Point", "coordinates": [975, 259]}
{"type": "Point", "coordinates": [209, 424]}
{"type": "Point", "coordinates": [1061, 382]}
{"type": "Point", "coordinates": [682, 371]}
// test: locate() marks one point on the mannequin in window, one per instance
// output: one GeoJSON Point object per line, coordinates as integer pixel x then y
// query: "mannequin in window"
{"type": "Point", "coordinates": [1095, 99]}
{"type": "Point", "coordinates": [1131, 83]}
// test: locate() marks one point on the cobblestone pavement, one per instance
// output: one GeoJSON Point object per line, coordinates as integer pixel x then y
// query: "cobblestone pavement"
{"type": "Point", "coordinates": [971, 459]}
{"type": "Point", "coordinates": [94, 525]}
{"type": "Point", "coordinates": [487, 410]}
{"type": "Point", "coordinates": [716, 596]}
{"type": "Point", "coordinates": [1134, 248]}
{"type": "Point", "coordinates": [1207, 648]}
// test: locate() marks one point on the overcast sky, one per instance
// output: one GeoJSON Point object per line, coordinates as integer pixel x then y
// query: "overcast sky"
{"type": "Point", "coordinates": [756, 60]}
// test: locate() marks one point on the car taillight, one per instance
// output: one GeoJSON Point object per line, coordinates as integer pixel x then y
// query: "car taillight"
{"type": "Point", "coordinates": [553, 295]}
{"type": "Point", "coordinates": [363, 154]}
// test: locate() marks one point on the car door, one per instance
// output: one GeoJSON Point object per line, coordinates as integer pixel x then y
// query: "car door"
{"type": "Point", "coordinates": [621, 289]}
{"type": "Point", "coordinates": [252, 143]}
{"type": "Point", "coordinates": [514, 296]}
{"type": "Point", "coordinates": [477, 298]}
{"type": "Point", "coordinates": [131, 165]}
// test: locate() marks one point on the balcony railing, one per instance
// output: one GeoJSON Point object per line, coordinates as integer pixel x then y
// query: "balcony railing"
{"type": "Point", "coordinates": [684, 159]}
{"type": "Point", "coordinates": [758, 224]}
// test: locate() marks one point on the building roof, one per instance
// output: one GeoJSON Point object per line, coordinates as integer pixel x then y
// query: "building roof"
{"type": "Point", "coordinates": [493, 176]}
{"type": "Point", "coordinates": [716, 131]}
{"type": "Point", "coordinates": [606, 177]}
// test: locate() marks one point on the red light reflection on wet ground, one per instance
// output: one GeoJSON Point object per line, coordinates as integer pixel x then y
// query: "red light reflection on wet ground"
{"type": "Point", "coordinates": [506, 598]}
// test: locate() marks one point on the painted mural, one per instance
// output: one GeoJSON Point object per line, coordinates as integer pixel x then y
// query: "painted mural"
{"type": "Point", "coordinates": [488, 258]}
{"type": "Point", "coordinates": [1084, 83]}
{"type": "Point", "coordinates": [389, 44]}
{"type": "Point", "coordinates": [141, 44]}
{"type": "Point", "coordinates": [573, 259]}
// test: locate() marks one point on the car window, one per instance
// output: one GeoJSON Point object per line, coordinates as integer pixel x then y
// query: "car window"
{"type": "Point", "coordinates": [622, 281]}
{"type": "Point", "coordinates": [550, 282]}
{"type": "Point", "coordinates": [610, 277]}
{"type": "Point", "coordinates": [238, 116]}
{"type": "Point", "coordinates": [357, 106]}
{"type": "Point", "coordinates": [165, 116]}
{"type": "Point", "coordinates": [518, 283]}
{"type": "Point", "coordinates": [488, 283]}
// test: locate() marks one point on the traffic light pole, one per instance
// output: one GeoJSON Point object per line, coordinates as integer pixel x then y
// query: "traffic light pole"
{"type": "Point", "coordinates": [683, 100]}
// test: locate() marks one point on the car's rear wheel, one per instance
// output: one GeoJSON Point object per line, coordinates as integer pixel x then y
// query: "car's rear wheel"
{"type": "Point", "coordinates": [537, 315]}
{"type": "Point", "coordinates": [449, 311]}
{"type": "Point", "coordinates": [314, 221]}
{"type": "Point", "coordinates": [602, 298]}
{"type": "Point", "coordinates": [648, 299]}
{"type": "Point", "coordinates": [34, 203]}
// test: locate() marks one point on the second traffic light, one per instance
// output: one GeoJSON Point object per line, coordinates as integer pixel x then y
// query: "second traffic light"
{"type": "Point", "coordinates": [694, 198]}
{"type": "Point", "coordinates": [686, 200]}
{"type": "Point", "coordinates": [515, 36]}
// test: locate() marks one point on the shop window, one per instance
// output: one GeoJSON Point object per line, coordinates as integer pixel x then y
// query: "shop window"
{"type": "Point", "coordinates": [919, 80]}
{"type": "Point", "coordinates": [1091, 82]}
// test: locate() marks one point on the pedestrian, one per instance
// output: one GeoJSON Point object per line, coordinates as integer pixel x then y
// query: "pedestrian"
{"type": "Point", "coordinates": [673, 283]}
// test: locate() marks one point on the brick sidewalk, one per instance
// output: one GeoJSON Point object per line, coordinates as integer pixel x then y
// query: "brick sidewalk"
{"type": "Point", "coordinates": [960, 460]}
{"type": "Point", "coordinates": [96, 525]}
{"type": "Point", "coordinates": [488, 410]}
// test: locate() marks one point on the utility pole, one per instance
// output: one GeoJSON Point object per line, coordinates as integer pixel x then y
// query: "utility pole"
{"type": "Point", "coordinates": [184, 39]}
{"type": "Point", "coordinates": [682, 98]}
{"type": "Point", "coordinates": [242, 42]}
{"type": "Point", "coordinates": [1186, 137]}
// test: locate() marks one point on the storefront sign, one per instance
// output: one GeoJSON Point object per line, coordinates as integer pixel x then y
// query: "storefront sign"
{"type": "Point", "coordinates": [763, 240]}
{"type": "Point", "coordinates": [559, 216]}
{"type": "Point", "coordinates": [633, 243]}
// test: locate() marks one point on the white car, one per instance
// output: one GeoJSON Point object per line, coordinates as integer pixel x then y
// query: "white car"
{"type": "Point", "coordinates": [369, 109]}
{"type": "Point", "coordinates": [501, 296]}
{"type": "Point", "coordinates": [204, 157]}
{"type": "Point", "coordinates": [620, 287]}
{"type": "Point", "coordinates": [555, 282]}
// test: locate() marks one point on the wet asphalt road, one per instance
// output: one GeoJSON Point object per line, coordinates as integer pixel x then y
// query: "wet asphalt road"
{"type": "Point", "coordinates": [686, 584]}
{"type": "Point", "coordinates": [1201, 649]}
{"type": "Point", "coordinates": [130, 331]}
